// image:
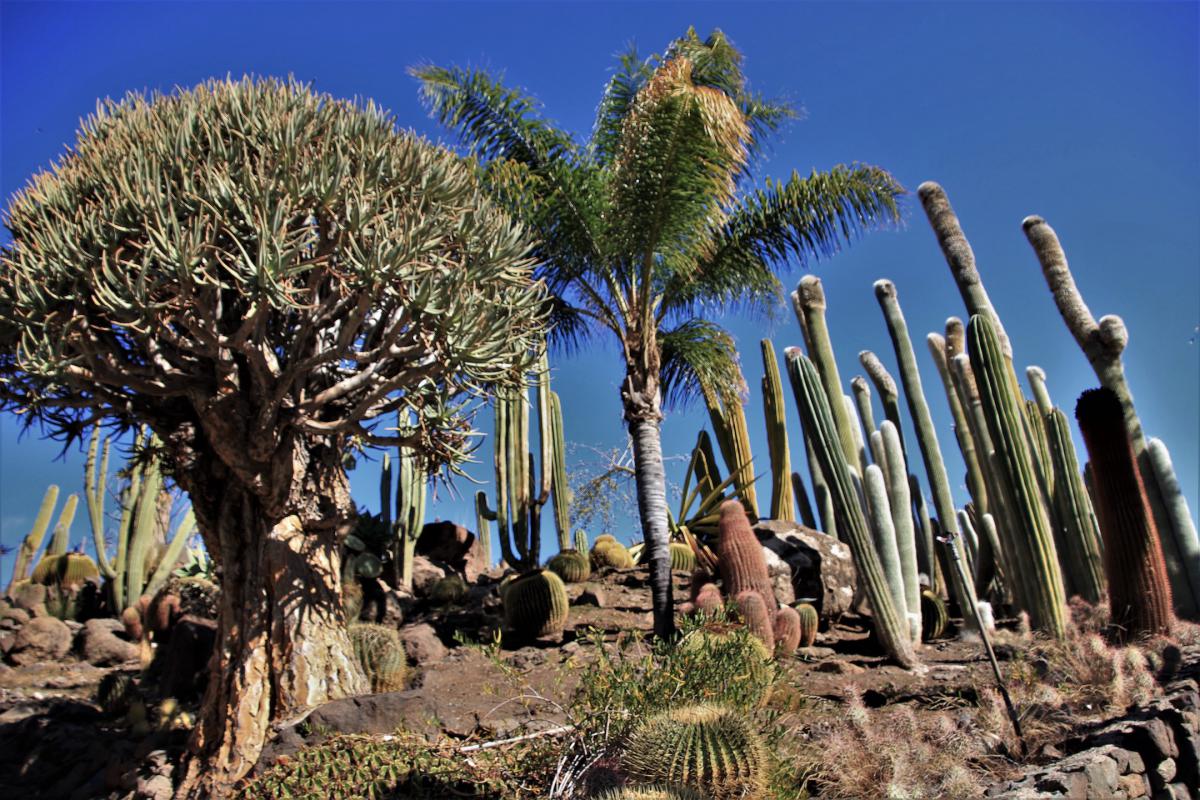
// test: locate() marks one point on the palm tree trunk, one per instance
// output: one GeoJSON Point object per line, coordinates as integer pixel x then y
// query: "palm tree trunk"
{"type": "Point", "coordinates": [651, 480]}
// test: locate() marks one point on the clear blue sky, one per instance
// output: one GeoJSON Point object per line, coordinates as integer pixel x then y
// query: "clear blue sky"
{"type": "Point", "coordinates": [1088, 114]}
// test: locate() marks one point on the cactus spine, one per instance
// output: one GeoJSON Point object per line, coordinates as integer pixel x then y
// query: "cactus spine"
{"type": "Point", "coordinates": [891, 626]}
{"type": "Point", "coordinates": [1032, 539]}
{"type": "Point", "coordinates": [1139, 590]}
{"type": "Point", "coordinates": [1103, 343]}
{"type": "Point", "coordinates": [33, 540]}
{"type": "Point", "coordinates": [777, 438]}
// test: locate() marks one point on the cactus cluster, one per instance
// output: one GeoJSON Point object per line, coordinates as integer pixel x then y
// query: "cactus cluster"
{"type": "Point", "coordinates": [381, 655]}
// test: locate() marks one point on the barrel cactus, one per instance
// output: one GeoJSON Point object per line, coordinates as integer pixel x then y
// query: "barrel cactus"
{"type": "Point", "coordinates": [682, 557]}
{"type": "Point", "coordinates": [116, 693]}
{"type": "Point", "coordinates": [536, 605]}
{"type": "Point", "coordinates": [809, 621]}
{"type": "Point", "coordinates": [758, 620]}
{"type": "Point", "coordinates": [787, 631]}
{"type": "Point", "coordinates": [381, 655]}
{"type": "Point", "coordinates": [934, 617]}
{"type": "Point", "coordinates": [708, 748]}
{"type": "Point", "coordinates": [67, 569]}
{"type": "Point", "coordinates": [448, 590]}
{"type": "Point", "coordinates": [741, 561]}
{"type": "Point", "coordinates": [571, 565]}
{"type": "Point", "coordinates": [608, 552]}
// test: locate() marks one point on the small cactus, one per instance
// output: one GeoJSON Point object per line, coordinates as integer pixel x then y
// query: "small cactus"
{"type": "Point", "coordinates": [934, 618]}
{"type": "Point", "coordinates": [449, 590]}
{"type": "Point", "coordinates": [708, 599]}
{"type": "Point", "coordinates": [571, 565]}
{"type": "Point", "coordinates": [787, 631]}
{"type": "Point", "coordinates": [710, 749]}
{"type": "Point", "coordinates": [608, 552]}
{"type": "Point", "coordinates": [682, 557]}
{"type": "Point", "coordinates": [381, 655]}
{"type": "Point", "coordinates": [757, 618]}
{"type": "Point", "coordinates": [536, 605]}
{"type": "Point", "coordinates": [116, 693]}
{"type": "Point", "coordinates": [809, 621]}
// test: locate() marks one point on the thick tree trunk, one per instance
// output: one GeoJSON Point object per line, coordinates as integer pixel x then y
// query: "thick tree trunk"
{"type": "Point", "coordinates": [282, 640]}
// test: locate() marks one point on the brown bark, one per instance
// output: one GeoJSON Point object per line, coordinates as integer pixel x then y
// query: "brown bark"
{"type": "Point", "coordinates": [283, 645]}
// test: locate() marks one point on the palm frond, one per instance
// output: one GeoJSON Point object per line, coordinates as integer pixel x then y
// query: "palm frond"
{"type": "Point", "coordinates": [695, 354]}
{"type": "Point", "coordinates": [496, 122]}
{"type": "Point", "coordinates": [632, 74]}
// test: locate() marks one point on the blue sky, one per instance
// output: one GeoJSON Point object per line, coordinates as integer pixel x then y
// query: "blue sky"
{"type": "Point", "coordinates": [1087, 114]}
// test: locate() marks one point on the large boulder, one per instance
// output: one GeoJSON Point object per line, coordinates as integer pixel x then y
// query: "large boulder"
{"type": "Point", "coordinates": [102, 643]}
{"type": "Point", "coordinates": [421, 644]}
{"type": "Point", "coordinates": [41, 639]}
{"type": "Point", "coordinates": [425, 574]}
{"type": "Point", "coordinates": [822, 570]}
{"type": "Point", "coordinates": [454, 546]}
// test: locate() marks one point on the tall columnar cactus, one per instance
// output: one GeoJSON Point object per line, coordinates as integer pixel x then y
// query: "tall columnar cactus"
{"type": "Point", "coordinates": [711, 749]}
{"type": "Point", "coordinates": [412, 487]}
{"type": "Point", "coordinates": [885, 385]}
{"type": "Point", "coordinates": [1177, 508]}
{"type": "Point", "coordinates": [1103, 343]}
{"type": "Point", "coordinates": [139, 531]}
{"type": "Point", "coordinates": [883, 531]}
{"type": "Point", "coordinates": [809, 302]}
{"type": "Point", "coordinates": [803, 505]}
{"type": "Point", "coordinates": [581, 540]}
{"type": "Point", "coordinates": [931, 453]}
{"type": "Point", "coordinates": [1139, 590]}
{"type": "Point", "coordinates": [890, 625]}
{"type": "Point", "coordinates": [901, 503]}
{"type": "Point", "coordinates": [728, 418]}
{"type": "Point", "coordinates": [484, 517]}
{"type": "Point", "coordinates": [741, 562]}
{"type": "Point", "coordinates": [520, 495]}
{"type": "Point", "coordinates": [1031, 541]}
{"type": "Point", "coordinates": [777, 438]}
{"type": "Point", "coordinates": [535, 605]}
{"type": "Point", "coordinates": [60, 539]}
{"type": "Point", "coordinates": [33, 540]}
{"type": "Point", "coordinates": [976, 485]}
{"type": "Point", "coordinates": [1082, 559]}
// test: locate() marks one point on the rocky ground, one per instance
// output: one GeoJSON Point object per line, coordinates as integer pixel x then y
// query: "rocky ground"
{"type": "Point", "coordinates": [55, 742]}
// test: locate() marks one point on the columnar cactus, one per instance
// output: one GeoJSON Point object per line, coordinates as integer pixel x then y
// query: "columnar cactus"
{"type": "Point", "coordinates": [33, 540]}
{"type": "Point", "coordinates": [571, 565]}
{"type": "Point", "coordinates": [976, 485]}
{"type": "Point", "coordinates": [883, 531]}
{"type": "Point", "coordinates": [1031, 542]}
{"type": "Point", "coordinates": [536, 605]}
{"type": "Point", "coordinates": [891, 625]}
{"type": "Point", "coordinates": [60, 540]}
{"type": "Point", "coordinates": [581, 540]}
{"type": "Point", "coordinates": [885, 385]}
{"type": "Point", "coordinates": [1103, 342]}
{"type": "Point", "coordinates": [381, 655]}
{"type": "Point", "coordinates": [741, 562]}
{"type": "Point", "coordinates": [708, 748]}
{"type": "Point", "coordinates": [1139, 591]}
{"type": "Point", "coordinates": [809, 622]}
{"type": "Point", "coordinates": [412, 487]}
{"type": "Point", "coordinates": [1082, 558]}
{"type": "Point", "coordinates": [728, 418]}
{"type": "Point", "coordinates": [777, 438]}
{"type": "Point", "coordinates": [1177, 508]}
{"type": "Point", "coordinates": [484, 517]}
{"type": "Point", "coordinates": [900, 500]}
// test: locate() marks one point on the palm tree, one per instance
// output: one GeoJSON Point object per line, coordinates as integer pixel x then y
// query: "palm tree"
{"type": "Point", "coordinates": [651, 225]}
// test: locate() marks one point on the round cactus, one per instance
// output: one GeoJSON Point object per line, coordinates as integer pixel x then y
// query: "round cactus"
{"type": "Point", "coordinates": [604, 537]}
{"type": "Point", "coordinates": [708, 599]}
{"type": "Point", "coordinates": [116, 693]}
{"type": "Point", "coordinates": [448, 590]}
{"type": "Point", "coordinates": [787, 631]}
{"type": "Point", "coordinates": [934, 617]}
{"type": "Point", "coordinates": [707, 748]}
{"type": "Point", "coordinates": [809, 621]}
{"type": "Point", "coordinates": [759, 621]}
{"type": "Point", "coordinates": [571, 565]}
{"type": "Point", "coordinates": [381, 655]}
{"type": "Point", "coordinates": [536, 605]}
{"type": "Point", "coordinates": [682, 557]}
{"type": "Point", "coordinates": [651, 793]}
{"type": "Point", "coordinates": [610, 553]}
{"type": "Point", "coordinates": [68, 569]}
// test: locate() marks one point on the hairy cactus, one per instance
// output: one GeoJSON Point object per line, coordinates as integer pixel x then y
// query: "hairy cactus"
{"type": "Point", "coordinates": [787, 631]}
{"type": "Point", "coordinates": [757, 619]}
{"type": "Point", "coordinates": [608, 552]}
{"type": "Point", "coordinates": [741, 562]}
{"type": "Point", "coordinates": [380, 653]}
{"type": "Point", "coordinates": [682, 557]}
{"type": "Point", "coordinates": [536, 605]}
{"type": "Point", "coordinates": [883, 531]}
{"type": "Point", "coordinates": [708, 748]}
{"type": "Point", "coordinates": [1177, 509]}
{"type": "Point", "coordinates": [116, 693]}
{"type": "Point", "coordinates": [1139, 591]}
{"type": "Point", "coordinates": [934, 617]}
{"type": "Point", "coordinates": [571, 565]}
{"type": "Point", "coordinates": [809, 621]}
{"type": "Point", "coordinates": [448, 590]}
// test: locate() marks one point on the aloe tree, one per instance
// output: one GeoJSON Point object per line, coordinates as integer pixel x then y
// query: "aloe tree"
{"type": "Point", "coordinates": [262, 276]}
{"type": "Point", "coordinates": [651, 225]}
